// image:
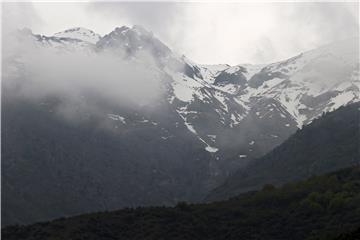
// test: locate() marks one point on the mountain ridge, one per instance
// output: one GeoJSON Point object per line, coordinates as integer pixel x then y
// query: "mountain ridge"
{"type": "Point", "coordinates": [330, 142]}
{"type": "Point", "coordinates": [178, 147]}
{"type": "Point", "coordinates": [79, 33]}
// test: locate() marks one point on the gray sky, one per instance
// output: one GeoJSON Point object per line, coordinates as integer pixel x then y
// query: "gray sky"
{"type": "Point", "coordinates": [205, 32]}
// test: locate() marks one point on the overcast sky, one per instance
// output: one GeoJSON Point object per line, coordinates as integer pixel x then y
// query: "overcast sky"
{"type": "Point", "coordinates": [205, 32]}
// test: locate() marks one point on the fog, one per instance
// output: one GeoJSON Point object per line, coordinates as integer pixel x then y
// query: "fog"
{"type": "Point", "coordinates": [212, 32]}
{"type": "Point", "coordinates": [33, 72]}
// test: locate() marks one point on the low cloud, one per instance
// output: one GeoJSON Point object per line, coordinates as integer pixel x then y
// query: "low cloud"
{"type": "Point", "coordinates": [207, 32]}
{"type": "Point", "coordinates": [234, 32]}
{"type": "Point", "coordinates": [82, 79]}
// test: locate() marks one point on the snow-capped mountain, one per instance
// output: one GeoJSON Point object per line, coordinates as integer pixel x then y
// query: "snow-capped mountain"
{"type": "Point", "coordinates": [207, 121]}
{"type": "Point", "coordinates": [62, 42]}
{"type": "Point", "coordinates": [213, 100]}
{"type": "Point", "coordinates": [79, 33]}
{"type": "Point", "coordinates": [132, 40]}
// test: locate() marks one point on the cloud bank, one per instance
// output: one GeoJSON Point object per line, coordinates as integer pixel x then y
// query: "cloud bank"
{"type": "Point", "coordinates": [240, 32]}
{"type": "Point", "coordinates": [231, 33]}
{"type": "Point", "coordinates": [83, 81]}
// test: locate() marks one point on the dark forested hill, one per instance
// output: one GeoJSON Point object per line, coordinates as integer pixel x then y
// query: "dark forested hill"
{"type": "Point", "coordinates": [328, 143]}
{"type": "Point", "coordinates": [53, 168]}
{"type": "Point", "coordinates": [321, 207]}
{"type": "Point", "coordinates": [94, 123]}
{"type": "Point", "coordinates": [353, 235]}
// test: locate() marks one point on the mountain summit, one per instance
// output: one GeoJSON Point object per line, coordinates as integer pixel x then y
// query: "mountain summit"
{"type": "Point", "coordinates": [79, 33]}
{"type": "Point", "coordinates": [206, 122]}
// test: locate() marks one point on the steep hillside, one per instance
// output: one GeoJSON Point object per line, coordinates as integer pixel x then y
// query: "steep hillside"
{"type": "Point", "coordinates": [328, 143]}
{"type": "Point", "coordinates": [319, 208]}
{"type": "Point", "coordinates": [94, 122]}
{"type": "Point", "coordinates": [52, 167]}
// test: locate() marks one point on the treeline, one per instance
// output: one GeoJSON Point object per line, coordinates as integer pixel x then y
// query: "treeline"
{"type": "Point", "coordinates": [322, 208]}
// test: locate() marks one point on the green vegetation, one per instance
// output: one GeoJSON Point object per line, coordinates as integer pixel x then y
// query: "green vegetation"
{"type": "Point", "coordinates": [322, 207]}
{"type": "Point", "coordinates": [326, 145]}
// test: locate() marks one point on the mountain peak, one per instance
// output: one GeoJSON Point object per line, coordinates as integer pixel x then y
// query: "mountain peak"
{"type": "Point", "coordinates": [79, 33]}
{"type": "Point", "coordinates": [136, 29]}
{"type": "Point", "coordinates": [122, 29]}
{"type": "Point", "coordinates": [132, 40]}
{"type": "Point", "coordinates": [141, 30]}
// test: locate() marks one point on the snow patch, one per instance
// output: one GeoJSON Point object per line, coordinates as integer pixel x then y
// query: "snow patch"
{"type": "Point", "coordinates": [192, 129]}
{"type": "Point", "coordinates": [341, 100]}
{"type": "Point", "coordinates": [116, 117]}
{"type": "Point", "coordinates": [79, 33]}
{"type": "Point", "coordinates": [211, 149]}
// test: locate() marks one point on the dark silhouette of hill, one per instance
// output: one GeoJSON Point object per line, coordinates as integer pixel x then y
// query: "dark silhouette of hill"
{"type": "Point", "coordinates": [329, 143]}
{"type": "Point", "coordinates": [322, 207]}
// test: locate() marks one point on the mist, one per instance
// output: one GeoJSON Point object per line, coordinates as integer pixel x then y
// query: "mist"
{"type": "Point", "coordinates": [80, 77]}
{"type": "Point", "coordinates": [240, 32]}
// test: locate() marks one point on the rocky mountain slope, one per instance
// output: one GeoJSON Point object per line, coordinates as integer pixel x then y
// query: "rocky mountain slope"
{"type": "Point", "coordinates": [205, 121]}
{"type": "Point", "coordinates": [328, 143]}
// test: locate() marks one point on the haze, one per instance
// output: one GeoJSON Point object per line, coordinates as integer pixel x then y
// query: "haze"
{"type": "Point", "coordinates": [211, 33]}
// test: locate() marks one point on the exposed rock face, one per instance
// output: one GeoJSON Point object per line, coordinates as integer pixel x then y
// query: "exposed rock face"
{"type": "Point", "coordinates": [207, 122]}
